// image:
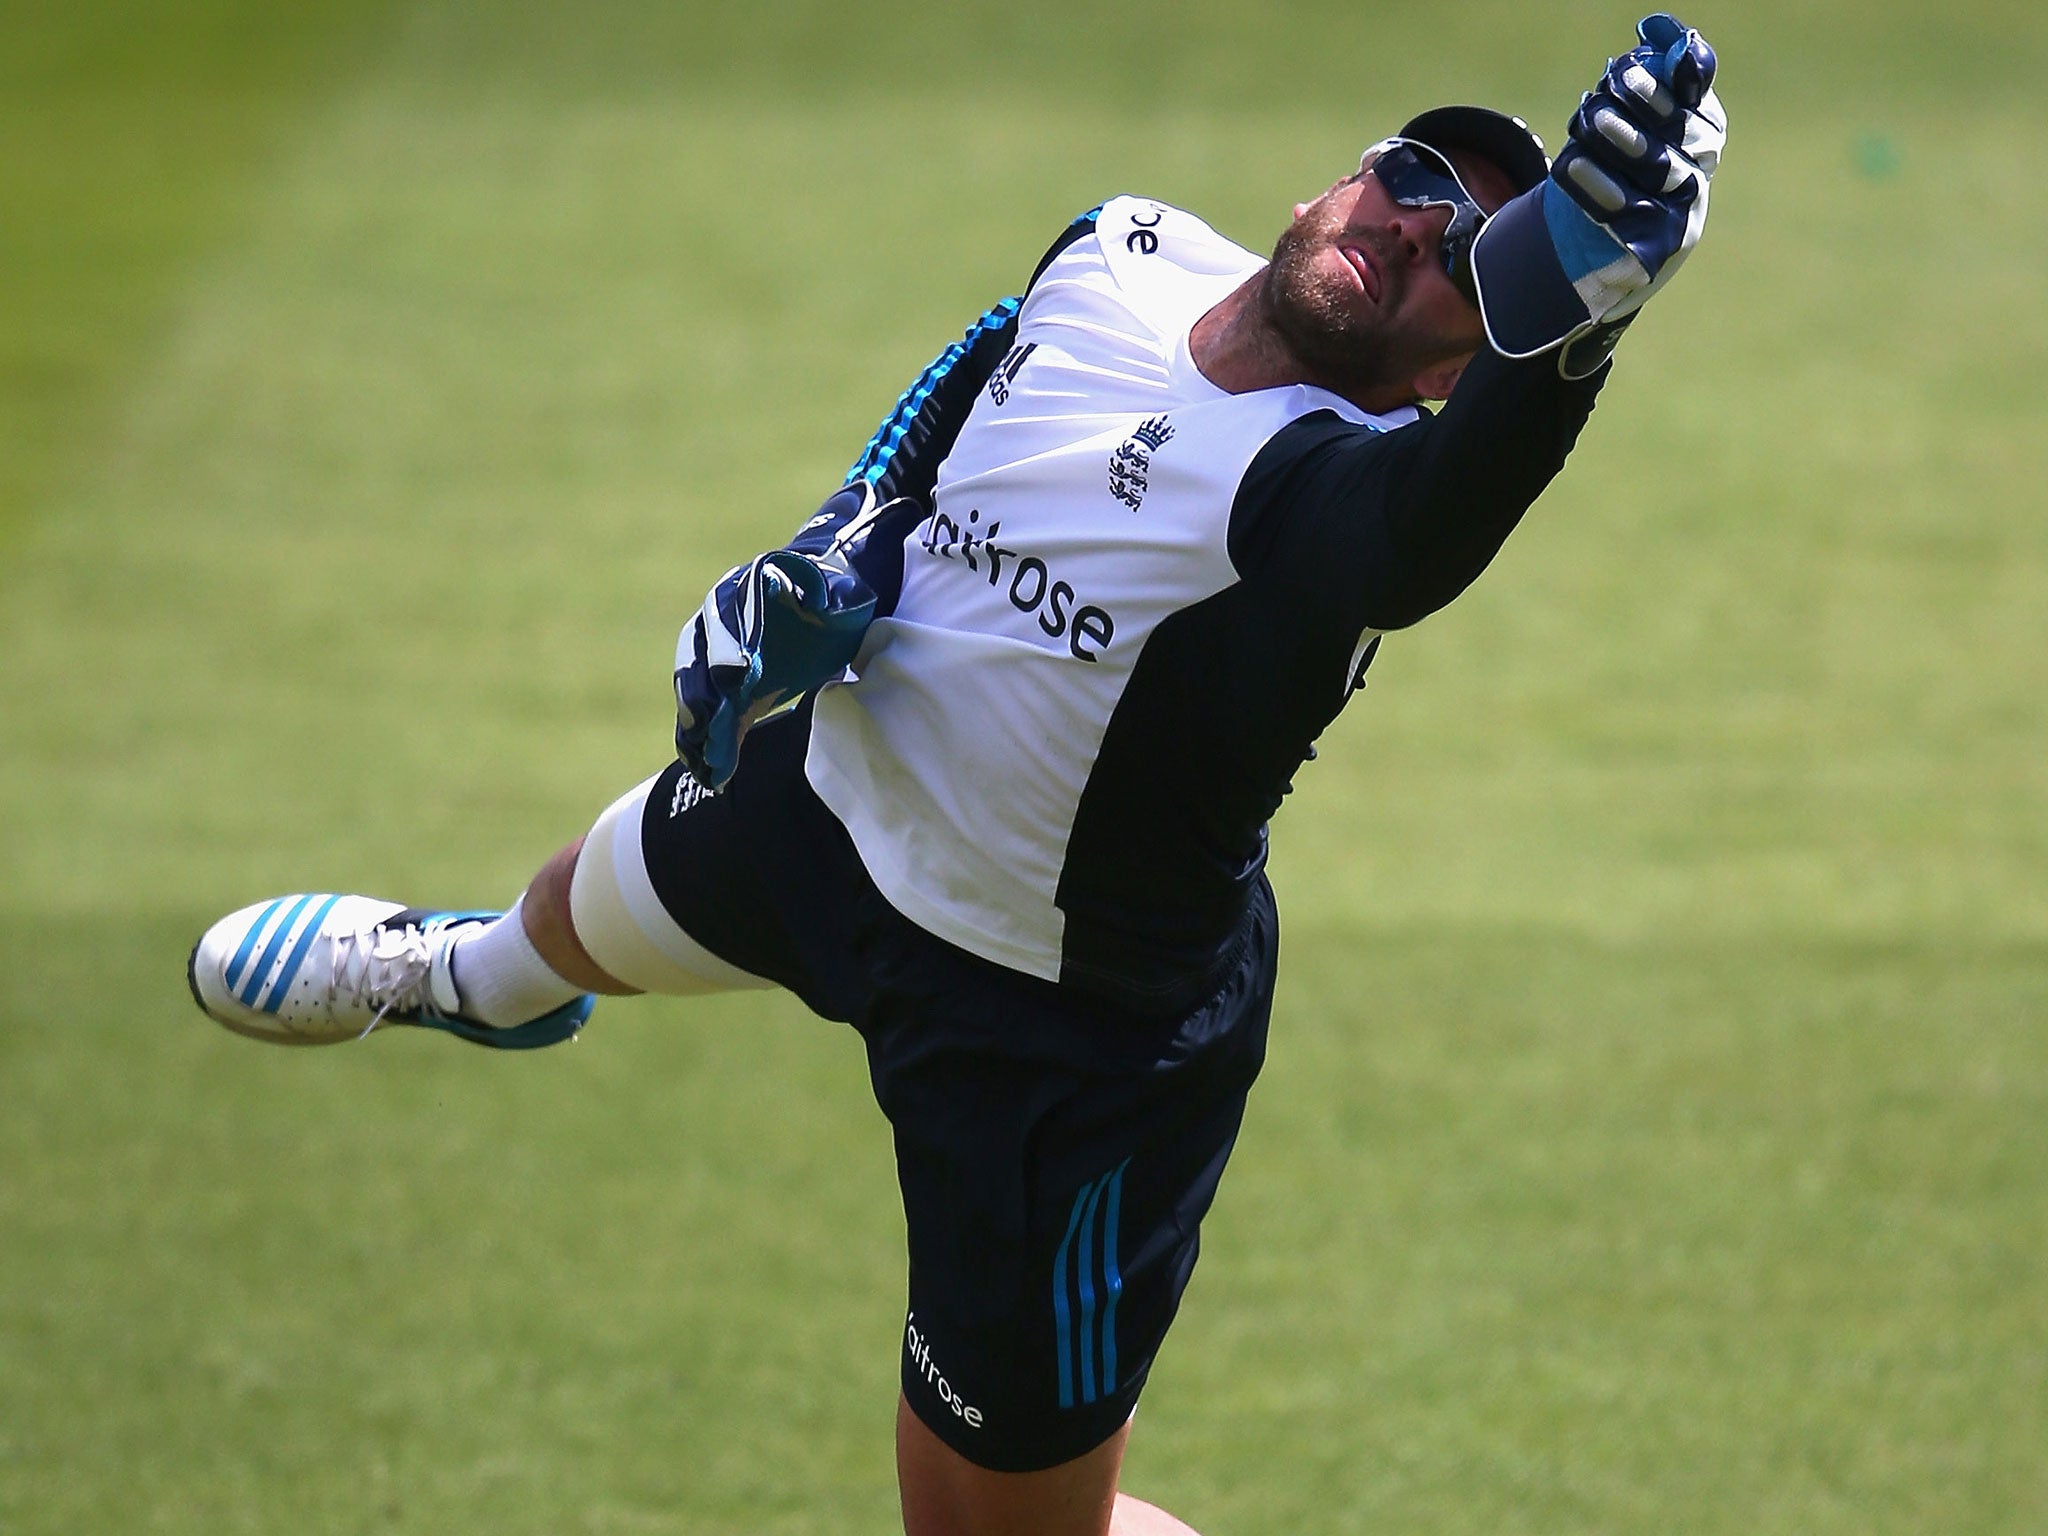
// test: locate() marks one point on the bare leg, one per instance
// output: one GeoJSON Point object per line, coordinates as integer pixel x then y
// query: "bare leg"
{"type": "Point", "coordinates": [944, 1494]}
{"type": "Point", "coordinates": [1134, 1517]}
{"type": "Point", "coordinates": [545, 916]}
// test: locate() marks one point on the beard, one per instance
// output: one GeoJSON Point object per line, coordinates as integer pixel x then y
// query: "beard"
{"type": "Point", "coordinates": [1344, 342]}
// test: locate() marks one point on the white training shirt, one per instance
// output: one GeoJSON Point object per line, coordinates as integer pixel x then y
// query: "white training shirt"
{"type": "Point", "coordinates": [1087, 501]}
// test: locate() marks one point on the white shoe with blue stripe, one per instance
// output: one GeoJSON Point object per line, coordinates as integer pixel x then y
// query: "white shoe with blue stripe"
{"type": "Point", "coordinates": [319, 969]}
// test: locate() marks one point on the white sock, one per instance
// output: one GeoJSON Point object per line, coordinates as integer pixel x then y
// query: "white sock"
{"type": "Point", "coordinates": [501, 977]}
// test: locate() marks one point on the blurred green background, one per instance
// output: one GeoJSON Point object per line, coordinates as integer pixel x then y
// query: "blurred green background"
{"type": "Point", "coordinates": [1656, 1133]}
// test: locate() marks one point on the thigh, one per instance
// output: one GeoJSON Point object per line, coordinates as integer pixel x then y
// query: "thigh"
{"type": "Point", "coordinates": [1055, 1165]}
{"type": "Point", "coordinates": [761, 876]}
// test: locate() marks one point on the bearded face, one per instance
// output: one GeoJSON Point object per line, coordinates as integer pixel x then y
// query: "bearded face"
{"type": "Point", "coordinates": [1347, 341]}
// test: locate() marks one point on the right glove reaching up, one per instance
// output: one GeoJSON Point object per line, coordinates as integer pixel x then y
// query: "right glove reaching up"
{"type": "Point", "coordinates": [1568, 263]}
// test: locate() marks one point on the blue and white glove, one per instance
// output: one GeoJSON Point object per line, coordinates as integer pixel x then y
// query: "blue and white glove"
{"type": "Point", "coordinates": [1568, 263]}
{"type": "Point", "coordinates": [772, 630]}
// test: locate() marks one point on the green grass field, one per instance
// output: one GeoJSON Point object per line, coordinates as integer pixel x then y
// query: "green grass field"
{"type": "Point", "coordinates": [1656, 1132]}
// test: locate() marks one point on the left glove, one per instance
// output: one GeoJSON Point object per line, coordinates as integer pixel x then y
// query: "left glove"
{"type": "Point", "coordinates": [1570, 262]}
{"type": "Point", "coordinates": [772, 630]}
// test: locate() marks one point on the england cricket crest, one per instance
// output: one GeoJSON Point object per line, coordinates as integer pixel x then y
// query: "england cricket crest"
{"type": "Point", "coordinates": [1131, 464]}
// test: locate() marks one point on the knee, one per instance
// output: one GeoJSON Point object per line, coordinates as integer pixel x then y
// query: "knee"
{"type": "Point", "coordinates": [547, 898]}
{"type": "Point", "coordinates": [597, 898]}
{"type": "Point", "coordinates": [548, 917]}
{"type": "Point", "coordinates": [944, 1494]}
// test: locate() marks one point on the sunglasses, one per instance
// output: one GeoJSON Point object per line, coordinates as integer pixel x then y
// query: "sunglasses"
{"type": "Point", "coordinates": [1416, 176]}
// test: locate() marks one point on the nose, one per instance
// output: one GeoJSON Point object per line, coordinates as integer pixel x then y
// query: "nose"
{"type": "Point", "coordinates": [1417, 233]}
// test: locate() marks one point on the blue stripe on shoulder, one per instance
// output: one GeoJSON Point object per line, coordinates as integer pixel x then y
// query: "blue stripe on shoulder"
{"type": "Point", "coordinates": [873, 462]}
{"type": "Point", "coordinates": [874, 459]}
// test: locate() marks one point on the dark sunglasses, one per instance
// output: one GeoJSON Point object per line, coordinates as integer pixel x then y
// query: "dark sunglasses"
{"type": "Point", "coordinates": [1416, 176]}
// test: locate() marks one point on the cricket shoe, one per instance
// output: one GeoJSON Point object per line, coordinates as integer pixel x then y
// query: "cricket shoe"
{"type": "Point", "coordinates": [315, 970]}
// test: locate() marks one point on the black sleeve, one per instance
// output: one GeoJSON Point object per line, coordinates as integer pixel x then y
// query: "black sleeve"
{"type": "Point", "coordinates": [903, 457]}
{"type": "Point", "coordinates": [1410, 517]}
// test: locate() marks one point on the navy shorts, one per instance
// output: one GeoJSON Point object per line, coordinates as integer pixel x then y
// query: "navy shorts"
{"type": "Point", "coordinates": [1056, 1152]}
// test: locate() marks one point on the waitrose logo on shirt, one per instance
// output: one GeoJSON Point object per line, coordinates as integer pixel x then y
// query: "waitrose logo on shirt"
{"type": "Point", "coordinates": [1027, 581]}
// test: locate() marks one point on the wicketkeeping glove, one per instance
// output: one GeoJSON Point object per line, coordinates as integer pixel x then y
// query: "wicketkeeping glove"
{"type": "Point", "coordinates": [1568, 263]}
{"type": "Point", "coordinates": [771, 631]}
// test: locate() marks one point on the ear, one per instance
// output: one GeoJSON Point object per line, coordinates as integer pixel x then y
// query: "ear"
{"type": "Point", "coordinates": [1438, 382]}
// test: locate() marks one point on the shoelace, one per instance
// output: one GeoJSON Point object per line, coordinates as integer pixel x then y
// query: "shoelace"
{"type": "Point", "coordinates": [387, 968]}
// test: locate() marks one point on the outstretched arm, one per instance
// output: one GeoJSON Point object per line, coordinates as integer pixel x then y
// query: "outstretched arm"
{"type": "Point", "coordinates": [1568, 264]}
{"type": "Point", "coordinates": [1413, 516]}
